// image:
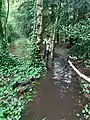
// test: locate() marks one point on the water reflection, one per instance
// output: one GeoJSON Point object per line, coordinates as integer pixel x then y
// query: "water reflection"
{"type": "Point", "coordinates": [58, 95]}
{"type": "Point", "coordinates": [61, 72]}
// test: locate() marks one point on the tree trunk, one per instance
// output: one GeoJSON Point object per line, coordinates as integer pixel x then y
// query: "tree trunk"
{"type": "Point", "coordinates": [57, 36]}
{"type": "Point", "coordinates": [3, 43]}
{"type": "Point", "coordinates": [53, 39]}
{"type": "Point", "coordinates": [39, 27]}
{"type": "Point", "coordinates": [39, 20]}
{"type": "Point", "coordinates": [54, 31]}
{"type": "Point", "coordinates": [53, 48]}
{"type": "Point", "coordinates": [1, 30]}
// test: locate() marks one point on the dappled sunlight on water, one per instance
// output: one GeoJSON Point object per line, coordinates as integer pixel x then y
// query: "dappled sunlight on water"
{"type": "Point", "coordinates": [61, 72]}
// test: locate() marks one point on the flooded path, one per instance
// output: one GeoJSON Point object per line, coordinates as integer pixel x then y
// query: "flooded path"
{"type": "Point", "coordinates": [58, 97]}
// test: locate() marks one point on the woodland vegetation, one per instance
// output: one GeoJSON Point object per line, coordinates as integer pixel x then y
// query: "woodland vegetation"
{"type": "Point", "coordinates": [24, 24]}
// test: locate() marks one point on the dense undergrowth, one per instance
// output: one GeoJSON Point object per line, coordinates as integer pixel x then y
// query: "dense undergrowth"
{"type": "Point", "coordinates": [86, 91]}
{"type": "Point", "coordinates": [78, 38]}
{"type": "Point", "coordinates": [72, 18]}
{"type": "Point", "coordinates": [85, 88]}
{"type": "Point", "coordinates": [12, 101]}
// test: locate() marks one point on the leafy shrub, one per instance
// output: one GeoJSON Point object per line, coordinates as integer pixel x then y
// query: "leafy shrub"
{"type": "Point", "coordinates": [24, 17]}
{"type": "Point", "coordinates": [86, 90]}
{"type": "Point", "coordinates": [11, 34]}
{"type": "Point", "coordinates": [86, 111]}
{"type": "Point", "coordinates": [79, 36]}
{"type": "Point", "coordinates": [11, 104]}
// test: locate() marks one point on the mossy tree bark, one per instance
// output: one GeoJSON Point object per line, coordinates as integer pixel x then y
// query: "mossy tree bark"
{"type": "Point", "coordinates": [1, 29]}
{"type": "Point", "coordinates": [39, 28]}
{"type": "Point", "coordinates": [3, 42]}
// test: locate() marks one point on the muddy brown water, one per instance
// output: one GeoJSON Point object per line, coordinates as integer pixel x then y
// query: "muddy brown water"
{"type": "Point", "coordinates": [58, 95]}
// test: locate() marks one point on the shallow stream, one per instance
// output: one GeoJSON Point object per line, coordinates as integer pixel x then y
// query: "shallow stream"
{"type": "Point", "coordinates": [58, 96]}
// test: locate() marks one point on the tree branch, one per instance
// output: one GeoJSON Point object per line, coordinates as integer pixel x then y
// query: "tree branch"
{"type": "Point", "coordinates": [78, 72]}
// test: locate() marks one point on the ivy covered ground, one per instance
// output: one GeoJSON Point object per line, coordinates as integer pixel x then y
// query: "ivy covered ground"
{"type": "Point", "coordinates": [13, 101]}
{"type": "Point", "coordinates": [30, 21]}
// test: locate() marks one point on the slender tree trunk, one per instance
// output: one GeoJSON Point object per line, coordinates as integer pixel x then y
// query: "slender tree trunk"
{"type": "Point", "coordinates": [7, 11]}
{"type": "Point", "coordinates": [1, 29]}
{"type": "Point", "coordinates": [3, 42]}
{"type": "Point", "coordinates": [54, 33]}
{"type": "Point", "coordinates": [39, 20]}
{"type": "Point", "coordinates": [39, 29]}
{"type": "Point", "coordinates": [53, 47]}
{"type": "Point", "coordinates": [57, 36]}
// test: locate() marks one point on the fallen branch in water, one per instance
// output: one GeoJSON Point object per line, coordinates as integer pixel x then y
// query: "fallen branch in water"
{"type": "Point", "coordinates": [24, 83]}
{"type": "Point", "coordinates": [78, 72]}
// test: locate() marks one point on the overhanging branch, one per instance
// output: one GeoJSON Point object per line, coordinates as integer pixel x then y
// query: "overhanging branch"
{"type": "Point", "coordinates": [78, 72]}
